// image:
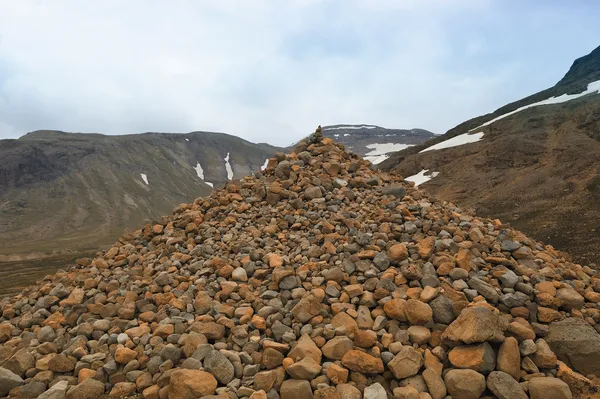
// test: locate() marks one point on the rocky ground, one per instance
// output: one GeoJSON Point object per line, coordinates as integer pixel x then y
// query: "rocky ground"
{"type": "Point", "coordinates": [319, 278]}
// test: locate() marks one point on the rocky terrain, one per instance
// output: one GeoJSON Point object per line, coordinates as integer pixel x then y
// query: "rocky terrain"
{"type": "Point", "coordinates": [373, 142]}
{"type": "Point", "coordinates": [320, 278]}
{"type": "Point", "coordinates": [65, 194]}
{"type": "Point", "coordinates": [534, 166]}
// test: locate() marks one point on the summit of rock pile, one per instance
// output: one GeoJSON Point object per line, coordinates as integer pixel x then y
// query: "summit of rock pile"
{"type": "Point", "coordinates": [320, 277]}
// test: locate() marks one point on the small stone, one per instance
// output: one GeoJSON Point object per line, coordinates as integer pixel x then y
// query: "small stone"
{"type": "Point", "coordinates": [88, 389]}
{"type": "Point", "coordinates": [406, 363]}
{"type": "Point", "coordinates": [337, 347]}
{"type": "Point", "coordinates": [185, 384]}
{"type": "Point", "coordinates": [418, 312]}
{"type": "Point", "coordinates": [397, 252]}
{"type": "Point", "coordinates": [362, 362]}
{"type": "Point", "coordinates": [305, 369]}
{"type": "Point", "coordinates": [480, 357]}
{"type": "Point", "coordinates": [8, 380]}
{"type": "Point", "coordinates": [509, 358]}
{"type": "Point", "coordinates": [476, 324]}
{"type": "Point", "coordinates": [504, 386]}
{"type": "Point", "coordinates": [218, 365]}
{"type": "Point", "coordinates": [464, 384]}
{"type": "Point", "coordinates": [548, 388]}
{"type": "Point", "coordinates": [295, 389]}
{"type": "Point", "coordinates": [375, 391]}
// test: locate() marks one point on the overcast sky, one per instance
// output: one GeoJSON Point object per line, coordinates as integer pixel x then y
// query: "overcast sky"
{"type": "Point", "coordinates": [271, 71]}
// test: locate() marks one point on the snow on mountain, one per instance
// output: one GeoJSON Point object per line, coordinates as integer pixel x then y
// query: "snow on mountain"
{"type": "Point", "coordinates": [228, 168]}
{"type": "Point", "coordinates": [456, 141]}
{"type": "Point", "coordinates": [592, 88]}
{"type": "Point", "coordinates": [379, 151]}
{"type": "Point", "coordinates": [422, 177]}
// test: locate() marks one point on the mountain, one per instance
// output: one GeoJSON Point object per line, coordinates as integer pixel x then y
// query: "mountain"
{"type": "Point", "coordinates": [534, 162]}
{"type": "Point", "coordinates": [322, 277]}
{"type": "Point", "coordinates": [64, 193]}
{"type": "Point", "coordinates": [375, 142]}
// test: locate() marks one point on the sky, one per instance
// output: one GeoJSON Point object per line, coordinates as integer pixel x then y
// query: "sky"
{"type": "Point", "coordinates": [272, 70]}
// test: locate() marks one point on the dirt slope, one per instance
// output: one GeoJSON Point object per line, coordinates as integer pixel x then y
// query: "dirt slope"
{"type": "Point", "coordinates": [537, 169]}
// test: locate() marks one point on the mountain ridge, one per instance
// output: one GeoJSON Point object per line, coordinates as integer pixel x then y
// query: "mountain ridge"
{"type": "Point", "coordinates": [542, 157]}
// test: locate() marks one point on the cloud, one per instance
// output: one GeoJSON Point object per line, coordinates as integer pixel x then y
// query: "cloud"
{"type": "Point", "coordinates": [271, 71]}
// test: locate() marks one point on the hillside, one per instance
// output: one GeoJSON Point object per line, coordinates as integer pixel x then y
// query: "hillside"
{"type": "Point", "coordinates": [537, 154]}
{"type": "Point", "coordinates": [320, 278]}
{"type": "Point", "coordinates": [62, 193]}
{"type": "Point", "coordinates": [375, 142]}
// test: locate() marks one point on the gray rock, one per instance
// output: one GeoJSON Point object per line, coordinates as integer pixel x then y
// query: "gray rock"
{"type": "Point", "coordinates": [396, 191]}
{"type": "Point", "coordinates": [484, 289]}
{"type": "Point", "coordinates": [443, 310]}
{"type": "Point", "coordinates": [576, 343]}
{"type": "Point", "coordinates": [8, 380]}
{"type": "Point", "coordinates": [218, 365]}
{"type": "Point", "coordinates": [514, 300]}
{"type": "Point", "coordinates": [32, 390]}
{"type": "Point", "coordinates": [504, 386]}
{"type": "Point", "coordinates": [57, 391]}
{"type": "Point", "coordinates": [509, 279]}
{"type": "Point", "coordinates": [381, 261]}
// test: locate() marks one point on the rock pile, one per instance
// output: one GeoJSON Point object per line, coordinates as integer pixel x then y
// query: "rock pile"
{"type": "Point", "coordinates": [319, 278]}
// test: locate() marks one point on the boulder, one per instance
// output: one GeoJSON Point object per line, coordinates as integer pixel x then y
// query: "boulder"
{"type": "Point", "coordinates": [464, 384]}
{"type": "Point", "coordinates": [191, 384]}
{"type": "Point", "coordinates": [505, 386]}
{"type": "Point", "coordinates": [548, 388]}
{"type": "Point", "coordinates": [8, 380]}
{"type": "Point", "coordinates": [576, 343]}
{"type": "Point", "coordinates": [476, 324]}
{"type": "Point", "coordinates": [88, 389]}
{"type": "Point", "coordinates": [295, 389]}
{"type": "Point", "coordinates": [478, 357]}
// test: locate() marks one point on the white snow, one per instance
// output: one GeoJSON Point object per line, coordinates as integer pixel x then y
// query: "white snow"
{"type": "Point", "coordinates": [461, 139]}
{"type": "Point", "coordinates": [336, 135]}
{"type": "Point", "coordinates": [187, 139]}
{"type": "Point", "coordinates": [593, 87]}
{"type": "Point", "coordinates": [228, 168]}
{"type": "Point", "coordinates": [379, 151]}
{"type": "Point", "coordinates": [351, 127]}
{"type": "Point", "coordinates": [199, 170]}
{"type": "Point", "coordinates": [421, 177]}
{"type": "Point", "coordinates": [265, 164]}
{"type": "Point", "coordinates": [210, 184]}
{"type": "Point", "coordinates": [346, 134]}
{"type": "Point", "coordinates": [144, 178]}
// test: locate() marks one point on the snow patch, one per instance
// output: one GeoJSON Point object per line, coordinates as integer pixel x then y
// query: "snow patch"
{"type": "Point", "coordinates": [265, 164]}
{"type": "Point", "coordinates": [210, 184]}
{"type": "Point", "coordinates": [593, 87]}
{"type": "Point", "coordinates": [422, 177]}
{"type": "Point", "coordinates": [187, 139]}
{"type": "Point", "coordinates": [199, 170]}
{"type": "Point", "coordinates": [351, 127]}
{"type": "Point", "coordinates": [228, 168]}
{"type": "Point", "coordinates": [455, 141]}
{"type": "Point", "coordinates": [336, 135]}
{"type": "Point", "coordinates": [346, 134]}
{"type": "Point", "coordinates": [379, 151]}
{"type": "Point", "coordinates": [144, 178]}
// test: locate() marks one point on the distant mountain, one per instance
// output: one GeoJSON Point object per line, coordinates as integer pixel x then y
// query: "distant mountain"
{"type": "Point", "coordinates": [375, 142]}
{"type": "Point", "coordinates": [64, 192]}
{"type": "Point", "coordinates": [534, 162]}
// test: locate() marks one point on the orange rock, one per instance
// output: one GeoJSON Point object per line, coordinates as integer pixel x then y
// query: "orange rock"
{"type": "Point", "coordinates": [362, 362]}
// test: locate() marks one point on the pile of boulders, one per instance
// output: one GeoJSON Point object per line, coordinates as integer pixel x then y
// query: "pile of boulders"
{"type": "Point", "coordinates": [319, 278]}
